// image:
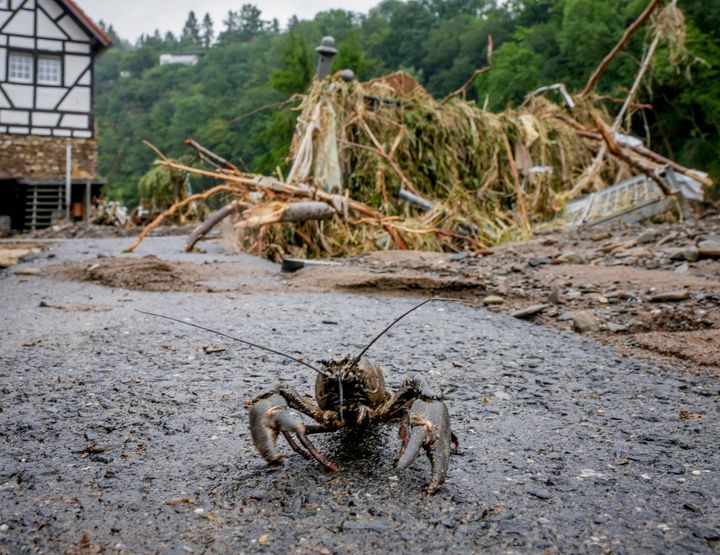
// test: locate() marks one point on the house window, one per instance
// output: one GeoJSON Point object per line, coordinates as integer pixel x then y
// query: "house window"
{"type": "Point", "coordinates": [4, 4]}
{"type": "Point", "coordinates": [21, 67]}
{"type": "Point", "coordinates": [48, 70]}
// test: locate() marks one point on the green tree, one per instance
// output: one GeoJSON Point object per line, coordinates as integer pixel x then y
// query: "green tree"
{"type": "Point", "coordinates": [208, 31]}
{"type": "Point", "coordinates": [191, 30]}
{"type": "Point", "coordinates": [296, 66]}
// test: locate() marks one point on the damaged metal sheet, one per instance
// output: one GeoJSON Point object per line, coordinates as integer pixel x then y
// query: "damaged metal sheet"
{"type": "Point", "coordinates": [634, 200]}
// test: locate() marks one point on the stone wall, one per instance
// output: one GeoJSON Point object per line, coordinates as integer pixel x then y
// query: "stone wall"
{"type": "Point", "coordinates": [34, 157]}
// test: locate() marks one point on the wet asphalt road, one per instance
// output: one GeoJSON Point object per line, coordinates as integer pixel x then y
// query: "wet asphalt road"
{"type": "Point", "coordinates": [118, 432]}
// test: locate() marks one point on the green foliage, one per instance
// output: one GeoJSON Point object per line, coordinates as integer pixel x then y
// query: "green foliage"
{"type": "Point", "coordinates": [296, 66]}
{"type": "Point", "coordinates": [249, 63]}
{"type": "Point", "coordinates": [516, 71]}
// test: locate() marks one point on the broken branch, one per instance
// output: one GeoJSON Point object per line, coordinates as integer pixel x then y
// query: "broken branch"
{"type": "Point", "coordinates": [213, 219]}
{"type": "Point", "coordinates": [595, 77]}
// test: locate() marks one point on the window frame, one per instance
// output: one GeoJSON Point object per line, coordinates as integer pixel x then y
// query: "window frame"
{"type": "Point", "coordinates": [44, 57]}
{"type": "Point", "coordinates": [35, 59]}
{"type": "Point", "coordinates": [19, 54]}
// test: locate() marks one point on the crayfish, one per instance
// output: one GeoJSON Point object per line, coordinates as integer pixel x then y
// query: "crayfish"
{"type": "Point", "coordinates": [350, 393]}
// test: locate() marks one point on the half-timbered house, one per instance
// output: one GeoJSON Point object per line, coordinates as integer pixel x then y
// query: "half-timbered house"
{"type": "Point", "coordinates": [47, 132]}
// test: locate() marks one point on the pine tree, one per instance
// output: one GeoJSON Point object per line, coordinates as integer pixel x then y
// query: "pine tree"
{"type": "Point", "coordinates": [208, 31]}
{"type": "Point", "coordinates": [191, 30]}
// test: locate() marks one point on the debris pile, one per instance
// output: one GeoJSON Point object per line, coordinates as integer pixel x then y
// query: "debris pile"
{"type": "Point", "coordinates": [383, 164]}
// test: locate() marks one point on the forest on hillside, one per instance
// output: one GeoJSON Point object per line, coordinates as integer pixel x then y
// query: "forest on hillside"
{"type": "Point", "coordinates": [238, 100]}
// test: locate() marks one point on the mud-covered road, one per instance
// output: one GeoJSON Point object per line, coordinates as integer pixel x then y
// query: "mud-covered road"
{"type": "Point", "coordinates": [124, 433]}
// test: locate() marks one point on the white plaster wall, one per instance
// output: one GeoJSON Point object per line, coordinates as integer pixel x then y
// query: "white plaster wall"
{"type": "Point", "coordinates": [45, 119]}
{"type": "Point", "coordinates": [47, 98]}
{"type": "Point", "coordinates": [51, 45]}
{"type": "Point", "coordinates": [22, 42]}
{"type": "Point", "coordinates": [72, 29]}
{"type": "Point", "coordinates": [75, 122]}
{"type": "Point", "coordinates": [80, 47]}
{"type": "Point", "coordinates": [22, 23]}
{"type": "Point", "coordinates": [47, 28]}
{"type": "Point", "coordinates": [20, 95]}
{"type": "Point", "coordinates": [78, 100]}
{"type": "Point", "coordinates": [13, 117]}
{"type": "Point", "coordinates": [75, 65]}
{"type": "Point", "coordinates": [51, 7]}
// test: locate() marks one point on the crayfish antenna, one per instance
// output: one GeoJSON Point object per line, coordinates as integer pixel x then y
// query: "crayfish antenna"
{"type": "Point", "coordinates": [243, 341]}
{"type": "Point", "coordinates": [383, 332]}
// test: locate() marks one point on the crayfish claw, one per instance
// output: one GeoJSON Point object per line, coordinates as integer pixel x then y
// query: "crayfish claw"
{"type": "Point", "coordinates": [265, 416]}
{"type": "Point", "coordinates": [269, 417]}
{"type": "Point", "coordinates": [429, 424]}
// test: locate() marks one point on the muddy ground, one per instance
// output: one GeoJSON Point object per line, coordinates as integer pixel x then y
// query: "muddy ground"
{"type": "Point", "coordinates": [125, 433]}
{"type": "Point", "coordinates": [650, 290]}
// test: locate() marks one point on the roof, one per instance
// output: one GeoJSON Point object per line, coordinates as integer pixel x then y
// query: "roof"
{"type": "Point", "coordinates": [102, 37]}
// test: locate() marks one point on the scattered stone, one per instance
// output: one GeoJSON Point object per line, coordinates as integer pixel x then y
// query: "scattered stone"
{"type": "Point", "coordinates": [601, 236]}
{"type": "Point", "coordinates": [570, 257]}
{"type": "Point", "coordinates": [493, 300]}
{"type": "Point", "coordinates": [670, 296]}
{"type": "Point", "coordinates": [691, 254]}
{"type": "Point", "coordinates": [502, 395]}
{"type": "Point", "coordinates": [539, 261]}
{"type": "Point", "coordinates": [639, 252]}
{"type": "Point", "coordinates": [670, 237]}
{"type": "Point", "coordinates": [540, 493]}
{"type": "Point", "coordinates": [529, 311]}
{"type": "Point", "coordinates": [379, 525]}
{"type": "Point", "coordinates": [554, 295]}
{"type": "Point", "coordinates": [709, 249]}
{"type": "Point", "coordinates": [28, 272]}
{"type": "Point", "coordinates": [565, 316]}
{"type": "Point", "coordinates": [684, 268]}
{"type": "Point", "coordinates": [649, 236]}
{"type": "Point", "coordinates": [584, 321]}
{"type": "Point", "coordinates": [615, 328]}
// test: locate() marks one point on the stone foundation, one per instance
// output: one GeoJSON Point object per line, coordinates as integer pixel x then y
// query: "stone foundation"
{"type": "Point", "coordinates": [34, 157]}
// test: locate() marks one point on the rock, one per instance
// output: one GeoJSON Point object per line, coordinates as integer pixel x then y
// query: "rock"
{"type": "Point", "coordinates": [540, 493]}
{"type": "Point", "coordinates": [670, 296]}
{"type": "Point", "coordinates": [682, 269]}
{"type": "Point", "coordinates": [28, 272]}
{"type": "Point", "coordinates": [529, 311]}
{"type": "Point", "coordinates": [601, 236]}
{"type": "Point", "coordinates": [709, 249]}
{"type": "Point", "coordinates": [649, 236]}
{"type": "Point", "coordinates": [539, 261]}
{"type": "Point", "coordinates": [691, 254]}
{"type": "Point", "coordinates": [615, 328]}
{"type": "Point", "coordinates": [565, 316]}
{"type": "Point", "coordinates": [570, 257]}
{"type": "Point", "coordinates": [584, 321]}
{"type": "Point", "coordinates": [364, 524]}
{"type": "Point", "coordinates": [493, 300]}
{"type": "Point", "coordinates": [503, 395]}
{"type": "Point", "coordinates": [554, 295]}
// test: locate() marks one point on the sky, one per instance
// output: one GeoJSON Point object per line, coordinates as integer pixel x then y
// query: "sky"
{"type": "Point", "coordinates": [131, 18]}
